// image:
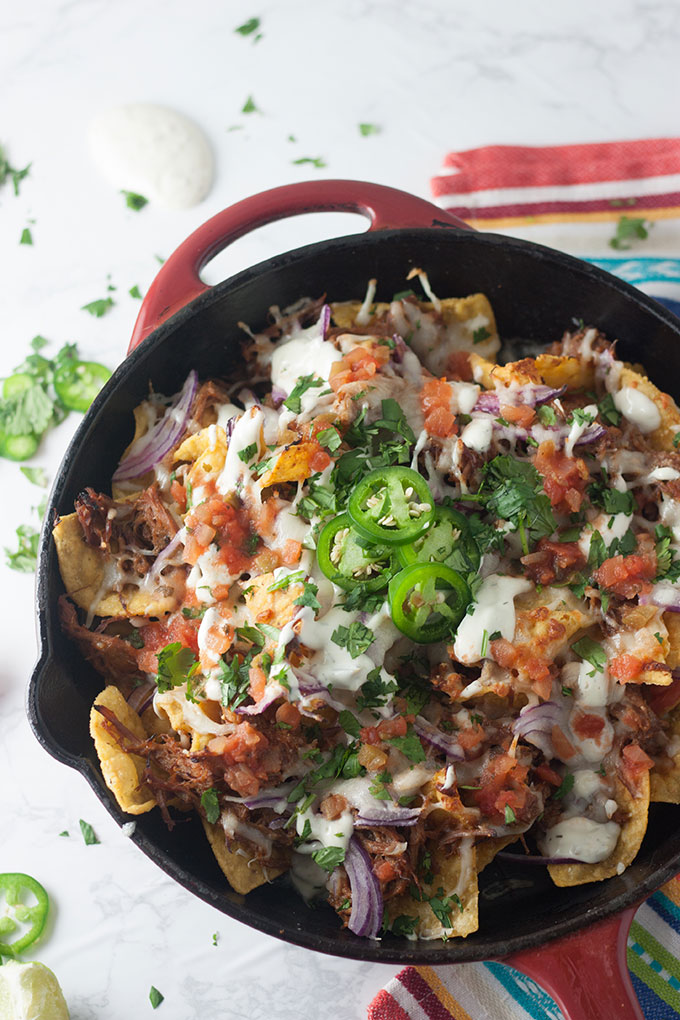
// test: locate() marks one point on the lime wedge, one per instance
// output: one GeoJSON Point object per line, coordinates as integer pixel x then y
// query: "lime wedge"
{"type": "Point", "coordinates": [30, 991]}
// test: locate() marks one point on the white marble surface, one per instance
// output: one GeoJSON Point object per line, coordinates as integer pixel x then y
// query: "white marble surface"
{"type": "Point", "coordinates": [435, 75]}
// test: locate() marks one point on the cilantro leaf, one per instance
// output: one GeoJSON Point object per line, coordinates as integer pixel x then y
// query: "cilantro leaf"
{"type": "Point", "coordinates": [35, 475]}
{"type": "Point", "coordinates": [176, 664]}
{"type": "Point", "coordinates": [330, 438]}
{"type": "Point", "coordinates": [308, 596]}
{"type": "Point", "coordinates": [546, 415]}
{"type": "Point", "coordinates": [234, 679]}
{"type": "Point", "coordinates": [26, 236]}
{"type": "Point", "coordinates": [629, 228]}
{"type": "Point", "coordinates": [668, 567]}
{"type": "Point", "coordinates": [318, 162]}
{"type": "Point", "coordinates": [356, 638]}
{"type": "Point", "coordinates": [404, 924]}
{"type": "Point", "coordinates": [591, 651]}
{"type": "Point", "coordinates": [359, 599]}
{"type": "Point", "coordinates": [249, 106]}
{"type": "Point", "coordinates": [329, 857]}
{"type": "Point", "coordinates": [510, 816]}
{"type": "Point", "coordinates": [377, 788]}
{"type": "Point", "coordinates": [155, 997]}
{"type": "Point", "coordinates": [89, 835]}
{"type": "Point", "coordinates": [517, 495]}
{"type": "Point", "coordinates": [135, 292]}
{"type": "Point", "coordinates": [25, 559]}
{"type": "Point", "coordinates": [375, 691]}
{"type": "Point", "coordinates": [98, 308]}
{"type": "Point", "coordinates": [611, 500]}
{"type": "Point", "coordinates": [608, 411]}
{"type": "Point", "coordinates": [211, 805]}
{"type": "Point", "coordinates": [349, 723]}
{"type": "Point", "coordinates": [134, 201]}
{"type": "Point", "coordinates": [410, 746]}
{"type": "Point", "coordinates": [565, 787]}
{"type": "Point", "coordinates": [481, 334]}
{"type": "Point", "coordinates": [368, 129]}
{"type": "Point", "coordinates": [287, 580]}
{"type": "Point", "coordinates": [304, 383]}
{"type": "Point", "coordinates": [248, 27]}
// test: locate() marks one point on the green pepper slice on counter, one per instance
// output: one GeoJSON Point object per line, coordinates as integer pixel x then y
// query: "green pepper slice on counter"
{"type": "Point", "coordinates": [447, 540]}
{"type": "Point", "coordinates": [346, 559]}
{"type": "Point", "coordinates": [391, 505]}
{"type": "Point", "coordinates": [77, 383]}
{"type": "Point", "coordinates": [428, 601]}
{"type": "Point", "coordinates": [19, 891]}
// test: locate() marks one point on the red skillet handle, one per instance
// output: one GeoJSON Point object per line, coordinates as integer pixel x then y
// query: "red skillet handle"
{"type": "Point", "coordinates": [586, 973]}
{"type": "Point", "coordinates": [178, 282]}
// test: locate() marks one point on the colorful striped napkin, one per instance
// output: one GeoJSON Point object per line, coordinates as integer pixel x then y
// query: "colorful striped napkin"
{"type": "Point", "coordinates": [616, 204]}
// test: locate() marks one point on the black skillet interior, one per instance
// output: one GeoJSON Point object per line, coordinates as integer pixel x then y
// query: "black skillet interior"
{"type": "Point", "coordinates": [536, 294]}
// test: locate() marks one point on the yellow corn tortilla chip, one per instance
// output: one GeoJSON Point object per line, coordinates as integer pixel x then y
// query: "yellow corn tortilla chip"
{"type": "Point", "coordinates": [143, 421]}
{"type": "Point", "coordinates": [672, 622]}
{"type": "Point", "coordinates": [488, 848]}
{"type": "Point", "coordinates": [454, 875]}
{"type": "Point", "coordinates": [665, 786]}
{"type": "Point", "coordinates": [273, 607]}
{"type": "Point", "coordinates": [547, 620]}
{"type": "Point", "coordinates": [662, 437]}
{"type": "Point", "coordinates": [624, 853]}
{"type": "Point", "coordinates": [242, 871]}
{"type": "Point", "coordinates": [292, 465]}
{"type": "Point", "coordinates": [84, 571]}
{"type": "Point", "coordinates": [550, 369]}
{"type": "Point", "coordinates": [122, 772]}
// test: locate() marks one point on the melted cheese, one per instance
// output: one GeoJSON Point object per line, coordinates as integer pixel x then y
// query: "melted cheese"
{"type": "Point", "coordinates": [493, 611]}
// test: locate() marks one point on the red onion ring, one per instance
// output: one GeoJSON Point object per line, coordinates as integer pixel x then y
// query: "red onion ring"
{"type": "Point", "coordinates": [152, 447]}
{"type": "Point", "coordinates": [367, 902]}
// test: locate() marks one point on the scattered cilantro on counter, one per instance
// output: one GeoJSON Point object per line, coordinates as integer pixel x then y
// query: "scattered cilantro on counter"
{"type": "Point", "coordinates": [98, 308]}
{"type": "Point", "coordinates": [628, 229]}
{"type": "Point", "coordinates": [35, 475]}
{"type": "Point", "coordinates": [249, 106]}
{"type": "Point", "coordinates": [215, 937]}
{"type": "Point", "coordinates": [134, 201]}
{"type": "Point", "coordinates": [25, 559]}
{"type": "Point", "coordinates": [368, 129]}
{"type": "Point", "coordinates": [65, 833]}
{"type": "Point", "coordinates": [155, 997]}
{"type": "Point", "coordinates": [88, 832]}
{"type": "Point", "coordinates": [135, 292]}
{"type": "Point", "coordinates": [249, 27]}
{"type": "Point", "coordinates": [317, 161]}
{"type": "Point", "coordinates": [6, 170]}
{"type": "Point", "coordinates": [26, 236]}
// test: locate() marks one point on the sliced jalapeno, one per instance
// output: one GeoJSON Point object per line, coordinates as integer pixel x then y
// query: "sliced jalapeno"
{"type": "Point", "coordinates": [18, 447]}
{"type": "Point", "coordinates": [77, 383]}
{"type": "Point", "coordinates": [447, 540]}
{"type": "Point", "coordinates": [428, 601]}
{"type": "Point", "coordinates": [346, 559]}
{"type": "Point", "coordinates": [391, 505]}
{"type": "Point", "coordinates": [26, 903]}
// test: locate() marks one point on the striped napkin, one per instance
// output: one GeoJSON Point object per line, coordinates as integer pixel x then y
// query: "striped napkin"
{"type": "Point", "coordinates": [616, 204]}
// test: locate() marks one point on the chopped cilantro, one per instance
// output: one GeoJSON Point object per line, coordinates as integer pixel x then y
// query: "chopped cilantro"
{"type": "Point", "coordinates": [6, 170]}
{"type": "Point", "coordinates": [249, 106]}
{"type": "Point", "coordinates": [210, 804]}
{"type": "Point", "coordinates": [668, 568]}
{"type": "Point", "coordinates": [628, 229]}
{"type": "Point", "coordinates": [546, 415]}
{"type": "Point", "coordinates": [26, 236]}
{"type": "Point", "coordinates": [36, 475]}
{"type": "Point", "coordinates": [611, 500]}
{"type": "Point", "coordinates": [25, 559]}
{"type": "Point", "coordinates": [570, 535]}
{"type": "Point", "coordinates": [193, 614]}
{"type": "Point", "coordinates": [591, 651]}
{"type": "Point", "coordinates": [565, 786]}
{"type": "Point", "coordinates": [485, 644]}
{"type": "Point", "coordinates": [89, 835]}
{"type": "Point", "coordinates": [134, 201]}
{"type": "Point", "coordinates": [368, 129]}
{"type": "Point", "coordinates": [330, 438]}
{"type": "Point", "coordinates": [356, 638]}
{"type": "Point", "coordinates": [215, 937]}
{"type": "Point", "coordinates": [304, 383]}
{"type": "Point", "coordinates": [349, 723]}
{"type": "Point", "coordinates": [248, 27]}
{"type": "Point", "coordinates": [359, 599]}
{"type": "Point", "coordinates": [234, 679]}
{"type": "Point", "coordinates": [404, 924]}
{"type": "Point", "coordinates": [247, 453]}
{"type": "Point", "coordinates": [608, 410]}
{"type": "Point", "coordinates": [658, 637]}
{"type": "Point", "coordinates": [510, 816]}
{"type": "Point", "coordinates": [308, 596]}
{"type": "Point", "coordinates": [410, 746]}
{"type": "Point", "coordinates": [513, 491]}
{"type": "Point", "coordinates": [329, 857]}
{"type": "Point", "coordinates": [597, 552]}
{"type": "Point", "coordinates": [378, 789]}
{"type": "Point", "coordinates": [98, 308]}
{"type": "Point", "coordinates": [375, 691]}
{"type": "Point", "coordinates": [135, 292]}
{"type": "Point", "coordinates": [65, 833]}
{"type": "Point", "coordinates": [481, 334]}
{"type": "Point", "coordinates": [317, 161]}
{"type": "Point", "coordinates": [580, 417]}
{"type": "Point", "coordinates": [287, 580]}
{"type": "Point", "coordinates": [567, 692]}
{"type": "Point", "coordinates": [252, 634]}
{"type": "Point", "coordinates": [155, 997]}
{"type": "Point", "coordinates": [176, 664]}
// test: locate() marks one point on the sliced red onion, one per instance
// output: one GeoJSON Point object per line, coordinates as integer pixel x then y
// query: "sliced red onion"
{"type": "Point", "coordinates": [278, 396]}
{"type": "Point", "coordinates": [540, 718]}
{"type": "Point", "coordinates": [324, 321]}
{"type": "Point", "coordinates": [164, 555]}
{"type": "Point", "coordinates": [488, 402]}
{"type": "Point", "coordinates": [272, 692]}
{"type": "Point", "coordinates": [664, 595]}
{"type": "Point", "coordinates": [367, 902]}
{"type": "Point", "coordinates": [591, 435]}
{"type": "Point", "coordinates": [444, 742]}
{"type": "Point", "coordinates": [543, 394]}
{"type": "Point", "coordinates": [530, 395]}
{"type": "Point", "coordinates": [229, 427]}
{"type": "Point", "coordinates": [142, 696]}
{"type": "Point", "coordinates": [392, 815]}
{"type": "Point", "coordinates": [400, 348]}
{"type": "Point", "coordinates": [152, 447]}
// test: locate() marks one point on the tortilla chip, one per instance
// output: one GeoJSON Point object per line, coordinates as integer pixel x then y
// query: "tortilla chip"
{"type": "Point", "coordinates": [293, 464]}
{"type": "Point", "coordinates": [547, 369]}
{"type": "Point", "coordinates": [122, 772]}
{"type": "Point", "coordinates": [143, 420]}
{"type": "Point", "coordinates": [547, 620]}
{"type": "Point", "coordinates": [665, 786]}
{"type": "Point", "coordinates": [455, 875]}
{"type": "Point", "coordinates": [624, 853]}
{"type": "Point", "coordinates": [672, 622]}
{"type": "Point", "coordinates": [276, 608]}
{"type": "Point", "coordinates": [488, 848]}
{"type": "Point", "coordinates": [661, 438]}
{"type": "Point", "coordinates": [243, 872]}
{"type": "Point", "coordinates": [559, 371]}
{"type": "Point", "coordinates": [84, 573]}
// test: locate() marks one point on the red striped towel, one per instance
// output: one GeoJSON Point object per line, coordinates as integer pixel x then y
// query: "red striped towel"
{"type": "Point", "coordinates": [568, 197]}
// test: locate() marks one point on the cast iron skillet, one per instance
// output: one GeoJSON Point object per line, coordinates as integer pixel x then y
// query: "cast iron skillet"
{"type": "Point", "coordinates": [536, 293]}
